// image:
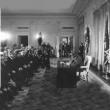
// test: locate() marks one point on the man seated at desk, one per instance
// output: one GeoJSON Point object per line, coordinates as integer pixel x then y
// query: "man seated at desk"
{"type": "Point", "coordinates": [66, 76]}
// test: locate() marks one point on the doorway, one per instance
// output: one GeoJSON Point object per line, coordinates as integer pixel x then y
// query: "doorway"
{"type": "Point", "coordinates": [66, 46]}
{"type": "Point", "coordinates": [23, 39]}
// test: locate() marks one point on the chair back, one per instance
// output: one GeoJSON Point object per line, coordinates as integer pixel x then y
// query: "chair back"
{"type": "Point", "coordinates": [87, 62]}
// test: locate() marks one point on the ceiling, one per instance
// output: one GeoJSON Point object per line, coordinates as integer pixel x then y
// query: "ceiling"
{"type": "Point", "coordinates": [27, 7]}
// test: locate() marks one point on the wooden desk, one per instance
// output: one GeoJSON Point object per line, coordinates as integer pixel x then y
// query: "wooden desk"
{"type": "Point", "coordinates": [66, 74]}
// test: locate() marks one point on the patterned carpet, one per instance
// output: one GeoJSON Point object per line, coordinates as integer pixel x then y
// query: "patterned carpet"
{"type": "Point", "coordinates": [42, 95]}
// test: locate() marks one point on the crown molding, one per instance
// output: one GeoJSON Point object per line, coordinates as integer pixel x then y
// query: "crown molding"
{"type": "Point", "coordinates": [39, 14]}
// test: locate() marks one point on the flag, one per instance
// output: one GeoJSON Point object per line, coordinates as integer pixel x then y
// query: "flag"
{"type": "Point", "coordinates": [106, 35]}
{"type": "Point", "coordinates": [106, 42]}
{"type": "Point", "coordinates": [87, 40]}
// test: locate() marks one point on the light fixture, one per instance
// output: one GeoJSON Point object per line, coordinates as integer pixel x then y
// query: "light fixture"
{"type": "Point", "coordinates": [4, 36]}
{"type": "Point", "coordinates": [38, 35]}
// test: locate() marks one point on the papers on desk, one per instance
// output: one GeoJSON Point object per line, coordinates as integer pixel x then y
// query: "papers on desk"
{"type": "Point", "coordinates": [64, 64]}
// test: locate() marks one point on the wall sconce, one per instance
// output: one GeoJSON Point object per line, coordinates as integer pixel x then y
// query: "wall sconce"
{"type": "Point", "coordinates": [38, 35]}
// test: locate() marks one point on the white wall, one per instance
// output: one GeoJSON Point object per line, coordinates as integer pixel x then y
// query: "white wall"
{"type": "Point", "coordinates": [50, 26]}
{"type": "Point", "coordinates": [81, 30]}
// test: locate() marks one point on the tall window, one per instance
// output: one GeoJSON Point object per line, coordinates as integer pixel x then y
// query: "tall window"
{"type": "Point", "coordinates": [101, 41]}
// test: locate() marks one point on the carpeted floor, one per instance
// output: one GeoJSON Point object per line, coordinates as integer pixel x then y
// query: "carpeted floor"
{"type": "Point", "coordinates": [42, 95]}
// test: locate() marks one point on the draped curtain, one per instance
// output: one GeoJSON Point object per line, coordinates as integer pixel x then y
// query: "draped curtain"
{"type": "Point", "coordinates": [99, 34]}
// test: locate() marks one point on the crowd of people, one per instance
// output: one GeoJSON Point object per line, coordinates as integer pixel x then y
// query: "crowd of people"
{"type": "Point", "coordinates": [65, 50]}
{"type": "Point", "coordinates": [17, 67]}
